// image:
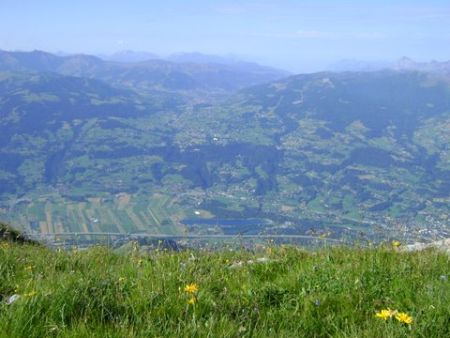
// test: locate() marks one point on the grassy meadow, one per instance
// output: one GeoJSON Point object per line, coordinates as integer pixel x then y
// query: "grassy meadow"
{"type": "Point", "coordinates": [268, 292]}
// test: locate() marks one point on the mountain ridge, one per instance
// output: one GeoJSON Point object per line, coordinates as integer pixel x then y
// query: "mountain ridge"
{"type": "Point", "coordinates": [404, 63]}
{"type": "Point", "coordinates": [146, 74]}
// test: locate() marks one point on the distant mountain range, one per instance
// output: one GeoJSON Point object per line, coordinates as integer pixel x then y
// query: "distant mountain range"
{"type": "Point", "coordinates": [161, 146]}
{"type": "Point", "coordinates": [150, 74]}
{"type": "Point", "coordinates": [129, 56]}
{"type": "Point", "coordinates": [403, 64]}
{"type": "Point", "coordinates": [440, 68]}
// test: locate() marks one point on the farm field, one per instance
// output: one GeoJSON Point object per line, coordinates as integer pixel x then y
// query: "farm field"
{"type": "Point", "coordinates": [120, 213]}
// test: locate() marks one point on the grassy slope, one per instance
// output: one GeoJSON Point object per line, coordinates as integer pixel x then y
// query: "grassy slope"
{"type": "Point", "coordinates": [328, 293]}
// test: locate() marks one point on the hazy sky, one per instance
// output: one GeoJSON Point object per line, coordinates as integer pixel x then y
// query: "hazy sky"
{"type": "Point", "coordinates": [295, 35]}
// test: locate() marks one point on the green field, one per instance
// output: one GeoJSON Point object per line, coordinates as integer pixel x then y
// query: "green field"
{"type": "Point", "coordinates": [124, 213]}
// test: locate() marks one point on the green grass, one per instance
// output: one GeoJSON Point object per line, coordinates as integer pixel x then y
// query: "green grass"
{"type": "Point", "coordinates": [333, 292]}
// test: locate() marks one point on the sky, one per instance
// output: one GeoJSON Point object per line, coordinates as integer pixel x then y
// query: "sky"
{"type": "Point", "coordinates": [300, 36]}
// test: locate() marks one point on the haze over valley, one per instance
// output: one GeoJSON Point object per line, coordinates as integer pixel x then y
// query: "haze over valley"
{"type": "Point", "coordinates": [208, 147]}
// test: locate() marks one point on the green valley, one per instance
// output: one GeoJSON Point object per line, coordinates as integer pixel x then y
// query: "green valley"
{"type": "Point", "coordinates": [97, 151]}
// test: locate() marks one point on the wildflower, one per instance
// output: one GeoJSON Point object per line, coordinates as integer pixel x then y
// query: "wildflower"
{"type": "Point", "coordinates": [30, 294]}
{"type": "Point", "coordinates": [192, 300]}
{"type": "Point", "coordinates": [191, 288]}
{"type": "Point", "coordinates": [403, 317]}
{"type": "Point", "coordinates": [122, 279]}
{"type": "Point", "coordinates": [396, 244]}
{"type": "Point", "coordinates": [386, 314]}
{"type": "Point", "coordinates": [29, 268]}
{"type": "Point", "coordinates": [443, 278]}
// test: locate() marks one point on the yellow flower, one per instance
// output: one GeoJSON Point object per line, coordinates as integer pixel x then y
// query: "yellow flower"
{"type": "Point", "coordinates": [30, 294]}
{"type": "Point", "coordinates": [29, 268]}
{"type": "Point", "coordinates": [396, 244]}
{"type": "Point", "coordinates": [192, 300]}
{"type": "Point", "coordinates": [191, 288]}
{"type": "Point", "coordinates": [385, 314]}
{"type": "Point", "coordinates": [122, 279]}
{"type": "Point", "coordinates": [404, 318]}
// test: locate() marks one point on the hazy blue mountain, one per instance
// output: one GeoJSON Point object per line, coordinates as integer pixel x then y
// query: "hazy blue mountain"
{"type": "Point", "coordinates": [196, 57]}
{"type": "Point", "coordinates": [147, 75]}
{"type": "Point", "coordinates": [39, 61]}
{"type": "Point", "coordinates": [349, 65]}
{"type": "Point", "coordinates": [403, 64]}
{"type": "Point", "coordinates": [129, 56]}
{"type": "Point", "coordinates": [378, 99]}
{"type": "Point", "coordinates": [435, 67]}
